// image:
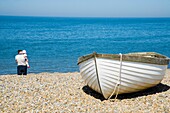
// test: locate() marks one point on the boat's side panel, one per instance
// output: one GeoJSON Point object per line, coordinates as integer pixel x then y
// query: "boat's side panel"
{"type": "Point", "coordinates": [134, 76]}
{"type": "Point", "coordinates": [88, 73]}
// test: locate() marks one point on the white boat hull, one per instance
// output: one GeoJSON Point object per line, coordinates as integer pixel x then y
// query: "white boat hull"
{"type": "Point", "coordinates": [103, 75]}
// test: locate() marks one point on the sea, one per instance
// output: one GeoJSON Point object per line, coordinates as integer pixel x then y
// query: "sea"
{"type": "Point", "coordinates": [54, 44]}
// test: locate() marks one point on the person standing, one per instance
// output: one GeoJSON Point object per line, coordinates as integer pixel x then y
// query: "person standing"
{"type": "Point", "coordinates": [21, 62]}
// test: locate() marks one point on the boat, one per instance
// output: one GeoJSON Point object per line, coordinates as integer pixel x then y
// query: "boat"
{"type": "Point", "coordinates": [113, 74]}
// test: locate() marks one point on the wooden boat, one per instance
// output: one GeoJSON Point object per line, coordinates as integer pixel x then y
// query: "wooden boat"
{"type": "Point", "coordinates": [112, 74]}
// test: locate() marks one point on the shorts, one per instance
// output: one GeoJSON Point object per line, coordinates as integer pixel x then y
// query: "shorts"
{"type": "Point", "coordinates": [22, 70]}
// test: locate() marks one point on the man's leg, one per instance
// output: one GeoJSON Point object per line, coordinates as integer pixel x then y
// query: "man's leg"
{"type": "Point", "coordinates": [24, 70]}
{"type": "Point", "coordinates": [19, 68]}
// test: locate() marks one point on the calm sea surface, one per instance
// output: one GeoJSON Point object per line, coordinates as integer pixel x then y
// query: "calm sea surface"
{"type": "Point", "coordinates": [54, 44]}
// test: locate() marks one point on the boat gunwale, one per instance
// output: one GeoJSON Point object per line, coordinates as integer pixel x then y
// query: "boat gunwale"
{"type": "Point", "coordinates": [143, 57]}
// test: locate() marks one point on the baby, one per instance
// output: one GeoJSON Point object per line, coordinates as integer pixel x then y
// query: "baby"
{"type": "Point", "coordinates": [25, 56]}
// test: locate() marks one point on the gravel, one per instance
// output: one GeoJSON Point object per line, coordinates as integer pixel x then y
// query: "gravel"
{"type": "Point", "coordinates": [67, 93]}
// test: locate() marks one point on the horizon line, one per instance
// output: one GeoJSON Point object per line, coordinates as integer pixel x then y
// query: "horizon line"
{"type": "Point", "coordinates": [85, 16]}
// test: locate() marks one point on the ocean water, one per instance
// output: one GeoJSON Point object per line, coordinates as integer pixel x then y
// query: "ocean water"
{"type": "Point", "coordinates": [54, 44]}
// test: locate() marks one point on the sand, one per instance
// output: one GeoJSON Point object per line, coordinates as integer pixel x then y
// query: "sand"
{"type": "Point", "coordinates": [67, 92]}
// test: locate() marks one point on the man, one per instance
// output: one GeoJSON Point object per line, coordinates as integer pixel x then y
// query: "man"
{"type": "Point", "coordinates": [21, 61]}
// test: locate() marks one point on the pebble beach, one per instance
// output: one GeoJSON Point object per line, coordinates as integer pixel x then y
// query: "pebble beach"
{"type": "Point", "coordinates": [67, 93]}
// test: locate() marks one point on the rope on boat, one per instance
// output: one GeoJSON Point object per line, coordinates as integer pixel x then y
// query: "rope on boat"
{"type": "Point", "coordinates": [118, 80]}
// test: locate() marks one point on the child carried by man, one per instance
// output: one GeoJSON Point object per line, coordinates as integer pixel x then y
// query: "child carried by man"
{"type": "Point", "coordinates": [24, 52]}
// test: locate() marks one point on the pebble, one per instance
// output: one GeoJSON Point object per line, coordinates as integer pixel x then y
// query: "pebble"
{"type": "Point", "coordinates": [63, 93]}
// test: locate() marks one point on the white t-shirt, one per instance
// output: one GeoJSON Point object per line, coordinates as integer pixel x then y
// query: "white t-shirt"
{"type": "Point", "coordinates": [20, 59]}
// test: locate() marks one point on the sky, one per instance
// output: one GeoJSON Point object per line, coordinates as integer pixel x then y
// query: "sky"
{"type": "Point", "coordinates": [86, 8]}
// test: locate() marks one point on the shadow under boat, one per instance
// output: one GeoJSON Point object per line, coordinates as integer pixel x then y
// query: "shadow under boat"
{"type": "Point", "coordinates": [153, 90]}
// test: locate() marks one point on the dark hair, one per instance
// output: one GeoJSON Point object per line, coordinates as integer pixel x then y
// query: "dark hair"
{"type": "Point", "coordinates": [19, 51]}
